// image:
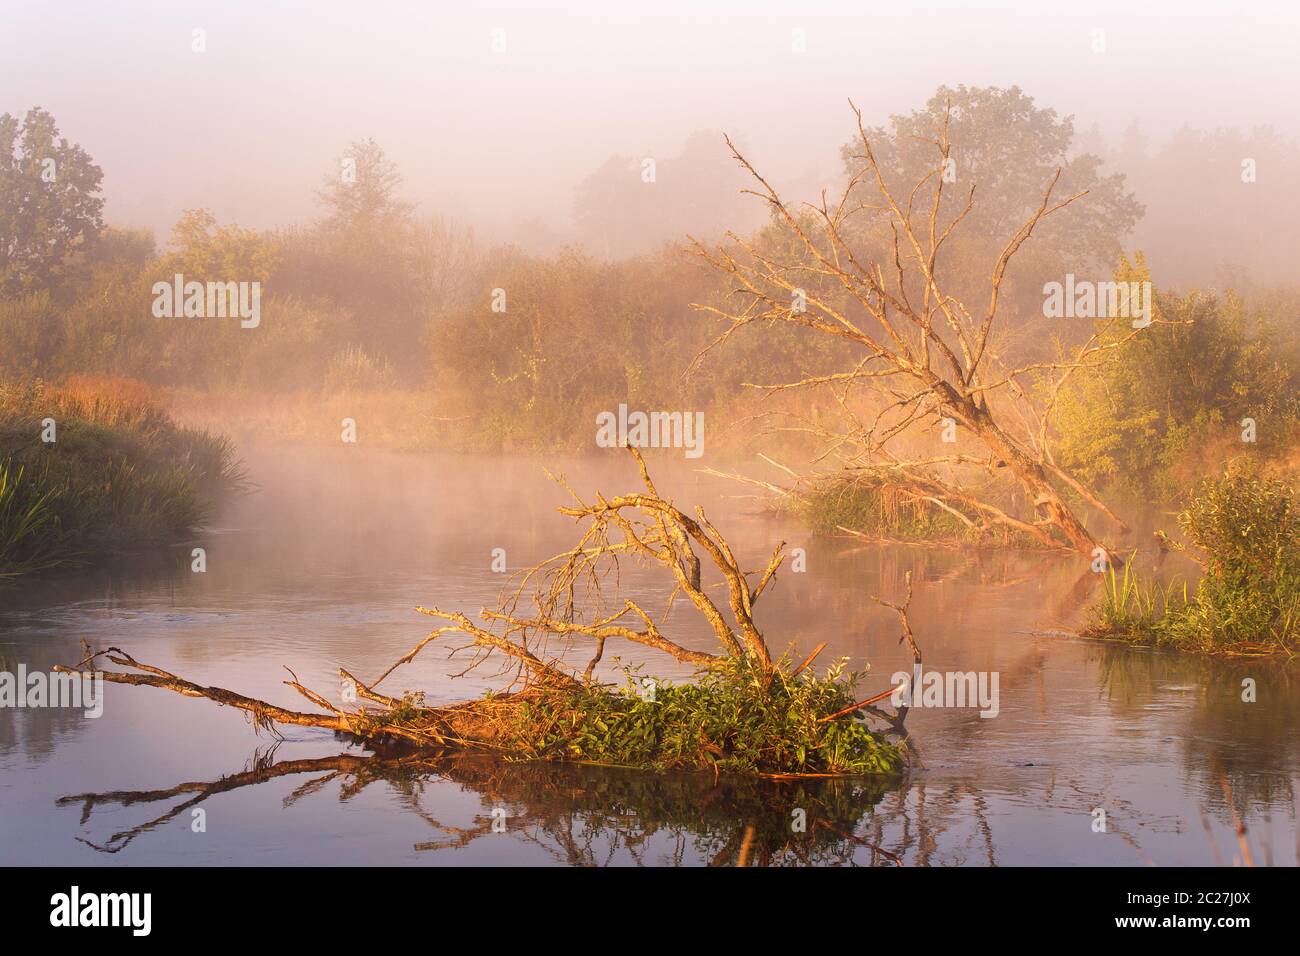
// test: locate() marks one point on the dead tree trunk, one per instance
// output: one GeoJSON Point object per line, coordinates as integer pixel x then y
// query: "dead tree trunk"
{"type": "Point", "coordinates": [925, 357]}
{"type": "Point", "coordinates": [1033, 478]}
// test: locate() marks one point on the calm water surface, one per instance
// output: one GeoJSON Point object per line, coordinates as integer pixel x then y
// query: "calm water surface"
{"type": "Point", "coordinates": [322, 567]}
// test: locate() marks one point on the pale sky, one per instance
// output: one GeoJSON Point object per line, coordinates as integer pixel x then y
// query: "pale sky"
{"type": "Point", "coordinates": [249, 127]}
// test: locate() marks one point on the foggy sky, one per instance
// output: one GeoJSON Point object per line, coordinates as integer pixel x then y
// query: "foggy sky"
{"type": "Point", "coordinates": [250, 127]}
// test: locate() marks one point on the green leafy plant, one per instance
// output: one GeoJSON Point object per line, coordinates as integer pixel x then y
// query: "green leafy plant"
{"type": "Point", "coordinates": [119, 476]}
{"type": "Point", "coordinates": [735, 717]}
{"type": "Point", "coordinates": [1244, 530]}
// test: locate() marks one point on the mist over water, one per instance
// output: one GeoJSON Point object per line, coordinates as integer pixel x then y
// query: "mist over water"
{"type": "Point", "coordinates": [357, 283]}
{"type": "Point", "coordinates": [322, 566]}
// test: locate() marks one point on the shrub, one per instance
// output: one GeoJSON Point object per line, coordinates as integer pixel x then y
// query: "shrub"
{"type": "Point", "coordinates": [121, 475]}
{"type": "Point", "coordinates": [734, 718]}
{"type": "Point", "coordinates": [1247, 528]}
{"type": "Point", "coordinates": [1244, 531]}
{"type": "Point", "coordinates": [1145, 424]}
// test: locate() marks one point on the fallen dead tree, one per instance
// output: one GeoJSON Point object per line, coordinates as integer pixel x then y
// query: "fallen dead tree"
{"type": "Point", "coordinates": [869, 273]}
{"type": "Point", "coordinates": [745, 711]}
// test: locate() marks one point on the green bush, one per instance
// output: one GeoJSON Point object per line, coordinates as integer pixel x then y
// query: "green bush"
{"type": "Point", "coordinates": [120, 476]}
{"type": "Point", "coordinates": [734, 718]}
{"type": "Point", "coordinates": [1247, 527]}
{"type": "Point", "coordinates": [1244, 529]}
{"type": "Point", "coordinates": [1148, 422]}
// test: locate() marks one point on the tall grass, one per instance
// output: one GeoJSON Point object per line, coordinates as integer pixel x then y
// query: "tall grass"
{"type": "Point", "coordinates": [1132, 607]}
{"type": "Point", "coordinates": [879, 509]}
{"type": "Point", "coordinates": [30, 532]}
{"type": "Point", "coordinates": [1244, 531]}
{"type": "Point", "coordinates": [119, 476]}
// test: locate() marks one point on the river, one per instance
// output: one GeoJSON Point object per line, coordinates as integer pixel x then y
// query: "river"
{"type": "Point", "coordinates": [323, 564]}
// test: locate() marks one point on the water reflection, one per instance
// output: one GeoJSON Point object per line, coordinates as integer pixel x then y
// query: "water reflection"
{"type": "Point", "coordinates": [580, 815]}
{"type": "Point", "coordinates": [322, 568]}
{"type": "Point", "coordinates": [1239, 757]}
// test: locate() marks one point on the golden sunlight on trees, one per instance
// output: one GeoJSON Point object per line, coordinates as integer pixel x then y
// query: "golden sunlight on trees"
{"type": "Point", "coordinates": [924, 358]}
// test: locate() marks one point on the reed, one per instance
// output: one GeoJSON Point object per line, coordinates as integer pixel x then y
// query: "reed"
{"type": "Point", "coordinates": [30, 535]}
{"type": "Point", "coordinates": [120, 474]}
{"type": "Point", "coordinates": [1243, 529]}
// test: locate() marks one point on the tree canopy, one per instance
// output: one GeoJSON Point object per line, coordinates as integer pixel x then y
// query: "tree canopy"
{"type": "Point", "coordinates": [50, 205]}
{"type": "Point", "coordinates": [362, 191]}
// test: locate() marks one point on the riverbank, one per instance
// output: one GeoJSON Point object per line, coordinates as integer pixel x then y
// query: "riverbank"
{"type": "Point", "coordinates": [320, 569]}
{"type": "Point", "coordinates": [97, 467]}
{"type": "Point", "coordinates": [1243, 531]}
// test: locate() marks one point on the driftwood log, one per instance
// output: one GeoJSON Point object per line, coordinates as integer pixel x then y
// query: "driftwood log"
{"type": "Point", "coordinates": [568, 605]}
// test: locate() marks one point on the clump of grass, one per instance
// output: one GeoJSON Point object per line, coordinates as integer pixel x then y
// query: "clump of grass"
{"type": "Point", "coordinates": [874, 507]}
{"type": "Point", "coordinates": [120, 476]}
{"type": "Point", "coordinates": [1244, 531]}
{"type": "Point", "coordinates": [31, 538]}
{"type": "Point", "coordinates": [354, 369]}
{"type": "Point", "coordinates": [1132, 608]}
{"type": "Point", "coordinates": [736, 717]}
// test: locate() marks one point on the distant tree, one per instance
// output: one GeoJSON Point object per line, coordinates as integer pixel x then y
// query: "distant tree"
{"type": "Point", "coordinates": [360, 258]}
{"type": "Point", "coordinates": [118, 244]}
{"type": "Point", "coordinates": [1221, 204]}
{"type": "Point", "coordinates": [49, 207]}
{"type": "Point", "coordinates": [1010, 147]}
{"type": "Point", "coordinates": [628, 206]}
{"type": "Point", "coordinates": [1007, 147]}
{"type": "Point", "coordinates": [361, 191]}
{"type": "Point", "coordinates": [579, 336]}
{"type": "Point", "coordinates": [203, 250]}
